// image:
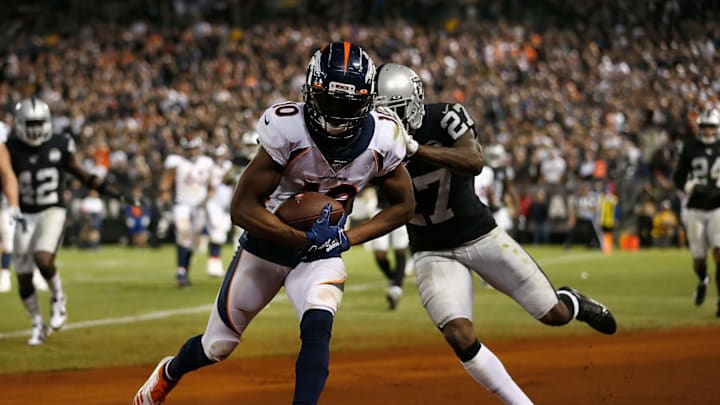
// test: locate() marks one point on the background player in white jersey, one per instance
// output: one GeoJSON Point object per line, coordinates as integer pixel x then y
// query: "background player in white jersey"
{"type": "Point", "coordinates": [494, 187]}
{"type": "Point", "coordinates": [218, 209]}
{"type": "Point", "coordinates": [189, 177]}
{"type": "Point", "coordinates": [40, 160]}
{"type": "Point", "coordinates": [696, 175]}
{"type": "Point", "coordinates": [332, 143]}
{"type": "Point", "coordinates": [453, 235]}
{"type": "Point", "coordinates": [9, 210]}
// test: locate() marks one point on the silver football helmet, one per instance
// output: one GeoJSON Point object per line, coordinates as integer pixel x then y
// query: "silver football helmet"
{"type": "Point", "coordinates": [708, 126]}
{"type": "Point", "coordinates": [33, 122]}
{"type": "Point", "coordinates": [400, 89]}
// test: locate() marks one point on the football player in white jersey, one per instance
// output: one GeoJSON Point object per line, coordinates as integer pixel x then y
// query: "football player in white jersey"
{"type": "Point", "coordinates": [492, 183]}
{"type": "Point", "coordinates": [9, 211]}
{"type": "Point", "coordinates": [189, 176]}
{"type": "Point", "coordinates": [332, 143]}
{"type": "Point", "coordinates": [218, 210]}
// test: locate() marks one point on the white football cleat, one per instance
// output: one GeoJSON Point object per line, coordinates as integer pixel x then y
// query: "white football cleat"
{"type": "Point", "coordinates": [156, 388]}
{"type": "Point", "coordinates": [38, 334]}
{"type": "Point", "coordinates": [5, 283]}
{"type": "Point", "coordinates": [393, 295]}
{"type": "Point", "coordinates": [58, 313]}
{"type": "Point", "coordinates": [215, 267]}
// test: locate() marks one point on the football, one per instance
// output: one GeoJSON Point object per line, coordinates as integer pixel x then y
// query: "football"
{"type": "Point", "coordinates": [302, 209]}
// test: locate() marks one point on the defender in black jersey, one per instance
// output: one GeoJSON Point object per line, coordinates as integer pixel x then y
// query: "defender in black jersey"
{"type": "Point", "coordinates": [453, 234]}
{"type": "Point", "coordinates": [698, 174]}
{"type": "Point", "coordinates": [40, 160]}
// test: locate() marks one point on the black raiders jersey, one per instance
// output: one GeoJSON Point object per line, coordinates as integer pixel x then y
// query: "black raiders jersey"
{"type": "Point", "coordinates": [448, 213]}
{"type": "Point", "coordinates": [701, 162]}
{"type": "Point", "coordinates": [41, 171]}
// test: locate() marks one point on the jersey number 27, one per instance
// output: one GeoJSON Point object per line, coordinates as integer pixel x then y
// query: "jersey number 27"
{"type": "Point", "coordinates": [441, 211]}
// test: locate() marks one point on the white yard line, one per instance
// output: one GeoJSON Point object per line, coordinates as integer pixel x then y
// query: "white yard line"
{"type": "Point", "coordinates": [281, 297]}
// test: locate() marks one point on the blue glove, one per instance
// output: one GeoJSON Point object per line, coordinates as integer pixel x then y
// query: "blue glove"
{"type": "Point", "coordinates": [325, 240]}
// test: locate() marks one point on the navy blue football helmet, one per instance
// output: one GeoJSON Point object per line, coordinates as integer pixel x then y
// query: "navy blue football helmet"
{"type": "Point", "coordinates": [339, 89]}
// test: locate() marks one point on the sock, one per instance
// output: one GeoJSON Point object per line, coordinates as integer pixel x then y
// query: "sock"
{"type": "Point", "coordinates": [183, 257]}
{"type": "Point", "coordinates": [701, 272]}
{"type": "Point", "coordinates": [55, 285]}
{"type": "Point", "coordinates": [399, 274]}
{"type": "Point", "coordinates": [486, 369]}
{"type": "Point", "coordinates": [570, 301]}
{"type": "Point", "coordinates": [33, 308]}
{"type": "Point", "coordinates": [190, 357]}
{"type": "Point", "coordinates": [5, 261]}
{"type": "Point", "coordinates": [311, 368]}
{"type": "Point", "coordinates": [214, 250]}
{"type": "Point", "coordinates": [384, 265]}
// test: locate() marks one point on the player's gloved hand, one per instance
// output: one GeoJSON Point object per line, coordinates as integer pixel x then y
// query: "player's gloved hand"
{"type": "Point", "coordinates": [690, 186]}
{"type": "Point", "coordinates": [325, 240]}
{"type": "Point", "coordinates": [411, 145]}
{"type": "Point", "coordinates": [16, 218]}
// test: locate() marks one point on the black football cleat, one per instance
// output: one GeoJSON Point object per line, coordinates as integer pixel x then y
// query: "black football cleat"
{"type": "Point", "coordinates": [593, 313]}
{"type": "Point", "coordinates": [700, 291]}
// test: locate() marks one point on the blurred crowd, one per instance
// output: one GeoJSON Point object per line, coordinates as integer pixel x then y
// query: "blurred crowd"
{"type": "Point", "coordinates": [575, 91]}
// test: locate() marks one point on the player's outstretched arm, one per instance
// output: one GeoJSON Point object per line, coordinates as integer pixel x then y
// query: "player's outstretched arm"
{"type": "Point", "coordinates": [90, 180]}
{"type": "Point", "coordinates": [397, 188]}
{"type": "Point", "coordinates": [248, 211]}
{"type": "Point", "coordinates": [7, 178]}
{"type": "Point", "coordinates": [465, 156]}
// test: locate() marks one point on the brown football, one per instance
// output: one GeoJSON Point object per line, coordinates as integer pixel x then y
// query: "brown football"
{"type": "Point", "coordinates": [302, 209]}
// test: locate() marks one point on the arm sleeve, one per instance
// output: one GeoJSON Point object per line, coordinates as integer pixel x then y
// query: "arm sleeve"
{"type": "Point", "coordinates": [681, 171]}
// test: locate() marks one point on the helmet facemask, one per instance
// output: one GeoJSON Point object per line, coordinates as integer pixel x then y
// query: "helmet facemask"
{"type": "Point", "coordinates": [708, 126]}
{"type": "Point", "coordinates": [339, 89]}
{"type": "Point", "coordinates": [33, 121]}
{"type": "Point", "coordinates": [400, 89]}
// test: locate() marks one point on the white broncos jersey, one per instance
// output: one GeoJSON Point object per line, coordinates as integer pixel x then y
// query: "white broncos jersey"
{"type": "Point", "coordinates": [222, 193]}
{"type": "Point", "coordinates": [191, 178]}
{"type": "Point", "coordinates": [285, 137]}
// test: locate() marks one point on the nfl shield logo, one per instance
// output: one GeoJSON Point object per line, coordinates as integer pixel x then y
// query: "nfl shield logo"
{"type": "Point", "coordinates": [338, 164]}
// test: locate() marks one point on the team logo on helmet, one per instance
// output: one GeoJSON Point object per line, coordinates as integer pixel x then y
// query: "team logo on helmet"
{"type": "Point", "coordinates": [339, 89]}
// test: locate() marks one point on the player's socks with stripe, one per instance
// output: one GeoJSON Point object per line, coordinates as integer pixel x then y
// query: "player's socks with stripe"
{"type": "Point", "coordinates": [183, 260]}
{"type": "Point", "coordinates": [399, 273]}
{"type": "Point", "coordinates": [5, 277]}
{"type": "Point", "coordinates": [32, 307]}
{"type": "Point", "coordinates": [488, 371]}
{"type": "Point", "coordinates": [384, 265]}
{"type": "Point", "coordinates": [55, 285]}
{"type": "Point", "coordinates": [701, 289]}
{"type": "Point", "coordinates": [190, 357]}
{"type": "Point", "coordinates": [312, 366]}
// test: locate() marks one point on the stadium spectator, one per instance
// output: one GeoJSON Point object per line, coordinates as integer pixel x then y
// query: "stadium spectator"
{"type": "Point", "coordinates": [616, 89]}
{"type": "Point", "coordinates": [665, 226]}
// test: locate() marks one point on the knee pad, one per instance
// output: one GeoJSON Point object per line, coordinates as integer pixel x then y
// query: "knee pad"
{"type": "Point", "coordinates": [219, 350]}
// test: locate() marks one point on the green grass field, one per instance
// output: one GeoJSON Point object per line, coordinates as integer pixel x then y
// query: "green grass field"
{"type": "Point", "coordinates": [124, 308]}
